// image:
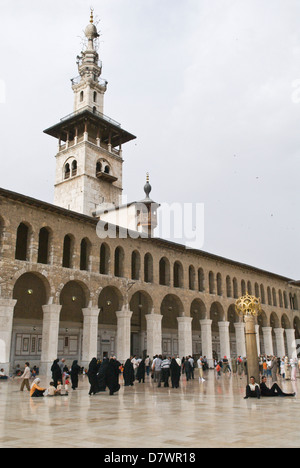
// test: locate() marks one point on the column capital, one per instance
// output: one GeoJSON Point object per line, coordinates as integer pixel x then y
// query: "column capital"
{"type": "Point", "coordinates": [154, 317]}
{"type": "Point", "coordinates": [206, 322]}
{"type": "Point", "coordinates": [184, 319]}
{"type": "Point", "coordinates": [224, 324]}
{"type": "Point", "coordinates": [90, 312]}
{"type": "Point", "coordinates": [239, 325]}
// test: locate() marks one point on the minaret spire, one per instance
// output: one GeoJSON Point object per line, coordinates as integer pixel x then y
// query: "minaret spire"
{"type": "Point", "coordinates": [89, 87]}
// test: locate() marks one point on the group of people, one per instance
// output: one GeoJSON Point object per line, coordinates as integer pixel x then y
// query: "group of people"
{"type": "Point", "coordinates": [272, 366]}
{"type": "Point", "coordinates": [254, 390]}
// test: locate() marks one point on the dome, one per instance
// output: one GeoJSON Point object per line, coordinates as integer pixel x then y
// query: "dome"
{"type": "Point", "coordinates": [91, 31]}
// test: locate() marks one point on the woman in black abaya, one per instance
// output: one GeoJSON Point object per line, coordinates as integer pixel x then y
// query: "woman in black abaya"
{"type": "Point", "coordinates": [128, 373]}
{"type": "Point", "coordinates": [140, 375]}
{"type": "Point", "coordinates": [56, 372]}
{"type": "Point", "coordinates": [92, 375]}
{"type": "Point", "coordinates": [102, 375]}
{"type": "Point", "coordinates": [175, 373]}
{"type": "Point", "coordinates": [75, 369]}
{"type": "Point", "coordinates": [112, 376]}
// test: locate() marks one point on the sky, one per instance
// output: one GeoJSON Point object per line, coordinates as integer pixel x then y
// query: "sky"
{"type": "Point", "coordinates": [211, 89]}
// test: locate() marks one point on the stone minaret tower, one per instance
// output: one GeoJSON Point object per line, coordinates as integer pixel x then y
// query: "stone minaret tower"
{"type": "Point", "coordinates": [89, 159]}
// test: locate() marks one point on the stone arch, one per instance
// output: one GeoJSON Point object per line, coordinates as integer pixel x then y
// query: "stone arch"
{"type": "Point", "coordinates": [217, 315]}
{"type": "Point", "coordinates": [274, 321]}
{"type": "Point", "coordinates": [232, 318]}
{"type": "Point", "coordinates": [141, 304]}
{"type": "Point", "coordinates": [73, 298]}
{"type": "Point", "coordinates": [197, 312]}
{"type": "Point", "coordinates": [31, 290]}
{"type": "Point", "coordinates": [110, 301]}
{"type": "Point", "coordinates": [285, 322]}
{"type": "Point", "coordinates": [171, 308]}
{"type": "Point", "coordinates": [148, 268]}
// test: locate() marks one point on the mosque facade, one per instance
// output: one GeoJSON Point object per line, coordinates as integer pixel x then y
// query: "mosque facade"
{"type": "Point", "coordinates": [68, 289]}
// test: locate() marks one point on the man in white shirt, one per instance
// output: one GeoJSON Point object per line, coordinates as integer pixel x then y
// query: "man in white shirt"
{"type": "Point", "coordinates": [26, 377]}
{"type": "Point", "coordinates": [252, 390]}
{"type": "Point", "coordinates": [200, 369]}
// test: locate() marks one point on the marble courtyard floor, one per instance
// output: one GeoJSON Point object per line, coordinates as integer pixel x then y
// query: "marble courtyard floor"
{"type": "Point", "coordinates": [211, 414]}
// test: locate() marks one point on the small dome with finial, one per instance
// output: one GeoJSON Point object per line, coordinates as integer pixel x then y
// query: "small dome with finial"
{"type": "Point", "coordinates": [147, 188]}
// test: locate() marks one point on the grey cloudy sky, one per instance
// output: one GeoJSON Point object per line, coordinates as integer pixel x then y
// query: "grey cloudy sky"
{"type": "Point", "coordinates": [209, 87]}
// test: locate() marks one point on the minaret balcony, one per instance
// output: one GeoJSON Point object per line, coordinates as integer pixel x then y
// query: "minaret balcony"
{"type": "Point", "coordinates": [106, 177]}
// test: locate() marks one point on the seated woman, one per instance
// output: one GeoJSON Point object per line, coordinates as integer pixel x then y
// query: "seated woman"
{"type": "Point", "coordinates": [36, 391]}
{"type": "Point", "coordinates": [252, 390]}
{"type": "Point", "coordinates": [275, 391]}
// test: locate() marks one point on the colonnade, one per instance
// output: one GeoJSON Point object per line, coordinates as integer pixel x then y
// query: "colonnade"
{"type": "Point", "coordinates": [154, 334]}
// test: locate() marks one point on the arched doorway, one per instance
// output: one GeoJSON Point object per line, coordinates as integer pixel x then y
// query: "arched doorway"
{"type": "Point", "coordinates": [110, 301]}
{"type": "Point", "coordinates": [73, 298]}
{"type": "Point", "coordinates": [216, 315]}
{"type": "Point", "coordinates": [141, 305]}
{"type": "Point", "coordinates": [198, 313]}
{"type": "Point", "coordinates": [171, 309]}
{"type": "Point", "coordinates": [31, 291]}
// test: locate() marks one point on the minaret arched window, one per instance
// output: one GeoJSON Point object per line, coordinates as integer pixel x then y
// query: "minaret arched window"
{"type": "Point", "coordinates": [81, 96]}
{"type": "Point", "coordinates": [67, 171]}
{"type": "Point", "coordinates": [95, 96]}
{"type": "Point", "coordinates": [74, 168]}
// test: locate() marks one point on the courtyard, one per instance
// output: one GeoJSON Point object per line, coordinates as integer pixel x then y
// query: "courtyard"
{"type": "Point", "coordinates": [212, 414]}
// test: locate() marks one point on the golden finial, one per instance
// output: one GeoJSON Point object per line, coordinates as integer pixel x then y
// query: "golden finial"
{"type": "Point", "coordinates": [92, 15]}
{"type": "Point", "coordinates": [248, 305]}
{"type": "Point", "coordinates": [148, 178]}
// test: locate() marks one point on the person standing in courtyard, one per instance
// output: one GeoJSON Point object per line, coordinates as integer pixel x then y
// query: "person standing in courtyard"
{"type": "Point", "coordinates": [140, 375]}
{"type": "Point", "coordinates": [200, 369]}
{"type": "Point", "coordinates": [92, 376]}
{"type": "Point", "coordinates": [112, 376]}
{"type": "Point", "coordinates": [56, 372]}
{"type": "Point", "coordinates": [26, 377]}
{"type": "Point", "coordinates": [128, 374]}
{"type": "Point", "coordinates": [75, 370]}
{"type": "Point", "coordinates": [175, 370]}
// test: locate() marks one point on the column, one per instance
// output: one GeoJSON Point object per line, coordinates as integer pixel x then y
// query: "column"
{"type": "Point", "coordinates": [257, 339]}
{"type": "Point", "coordinates": [123, 334]}
{"type": "Point", "coordinates": [279, 333]}
{"type": "Point", "coordinates": [185, 346]}
{"type": "Point", "coordinates": [251, 348]}
{"type": "Point", "coordinates": [6, 324]}
{"type": "Point", "coordinates": [90, 335]}
{"type": "Point", "coordinates": [240, 339]}
{"type": "Point", "coordinates": [206, 338]}
{"type": "Point", "coordinates": [154, 334]}
{"type": "Point", "coordinates": [267, 331]}
{"type": "Point", "coordinates": [224, 339]}
{"type": "Point", "coordinates": [291, 343]}
{"type": "Point", "coordinates": [49, 337]}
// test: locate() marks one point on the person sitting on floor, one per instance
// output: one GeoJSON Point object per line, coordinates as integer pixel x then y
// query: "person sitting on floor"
{"type": "Point", "coordinates": [252, 390]}
{"type": "Point", "coordinates": [36, 391]}
{"type": "Point", "coordinates": [275, 391]}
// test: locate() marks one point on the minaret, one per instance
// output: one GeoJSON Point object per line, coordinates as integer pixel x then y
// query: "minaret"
{"type": "Point", "coordinates": [89, 159]}
{"type": "Point", "coordinates": [89, 88]}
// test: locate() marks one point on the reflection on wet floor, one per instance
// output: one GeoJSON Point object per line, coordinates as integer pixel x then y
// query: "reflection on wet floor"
{"type": "Point", "coordinates": [209, 414]}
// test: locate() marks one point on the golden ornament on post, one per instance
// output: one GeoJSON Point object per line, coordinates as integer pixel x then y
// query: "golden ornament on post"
{"type": "Point", "coordinates": [249, 307]}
